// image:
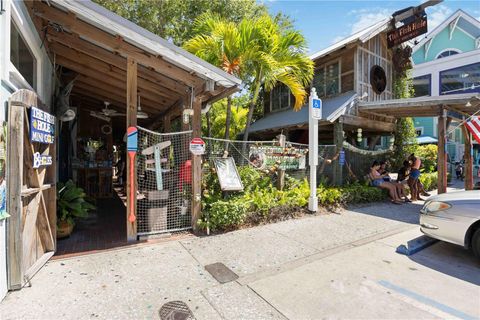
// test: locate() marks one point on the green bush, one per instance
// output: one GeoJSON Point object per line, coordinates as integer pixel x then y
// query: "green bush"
{"type": "Point", "coordinates": [260, 200]}
{"type": "Point", "coordinates": [428, 153]}
{"type": "Point", "coordinates": [225, 214]}
{"type": "Point", "coordinates": [429, 180]}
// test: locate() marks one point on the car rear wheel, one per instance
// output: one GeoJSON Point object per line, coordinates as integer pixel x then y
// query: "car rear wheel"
{"type": "Point", "coordinates": [476, 243]}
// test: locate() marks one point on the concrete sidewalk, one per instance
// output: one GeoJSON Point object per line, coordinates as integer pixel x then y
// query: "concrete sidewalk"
{"type": "Point", "coordinates": [285, 271]}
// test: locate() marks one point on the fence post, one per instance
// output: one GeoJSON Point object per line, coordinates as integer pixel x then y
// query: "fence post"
{"type": "Point", "coordinates": [338, 142]}
{"type": "Point", "coordinates": [281, 173]}
{"type": "Point", "coordinates": [196, 166]}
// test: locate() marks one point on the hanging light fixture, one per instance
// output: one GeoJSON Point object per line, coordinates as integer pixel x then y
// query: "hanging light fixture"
{"type": "Point", "coordinates": [359, 135]}
{"type": "Point", "coordinates": [140, 113]}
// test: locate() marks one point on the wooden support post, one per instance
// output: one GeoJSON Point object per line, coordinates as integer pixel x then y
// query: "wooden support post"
{"type": "Point", "coordinates": [131, 122]}
{"type": "Point", "coordinates": [196, 165]}
{"type": "Point", "coordinates": [338, 142]}
{"type": "Point", "coordinates": [281, 173]}
{"type": "Point", "coordinates": [442, 153]}
{"type": "Point", "coordinates": [468, 159]}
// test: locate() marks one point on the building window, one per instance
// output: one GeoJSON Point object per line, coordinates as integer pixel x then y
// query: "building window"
{"type": "Point", "coordinates": [22, 57]}
{"type": "Point", "coordinates": [447, 53]}
{"type": "Point", "coordinates": [460, 80]}
{"type": "Point", "coordinates": [419, 131]}
{"type": "Point", "coordinates": [280, 98]}
{"type": "Point", "coordinates": [422, 86]}
{"type": "Point", "coordinates": [327, 79]}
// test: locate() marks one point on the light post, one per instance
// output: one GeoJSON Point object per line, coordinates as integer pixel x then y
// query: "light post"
{"type": "Point", "coordinates": [314, 114]}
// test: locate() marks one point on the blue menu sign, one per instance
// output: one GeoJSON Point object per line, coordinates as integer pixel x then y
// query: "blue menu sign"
{"type": "Point", "coordinates": [341, 158]}
{"type": "Point", "coordinates": [42, 126]}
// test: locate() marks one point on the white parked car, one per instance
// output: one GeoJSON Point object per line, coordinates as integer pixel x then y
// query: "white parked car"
{"type": "Point", "coordinates": [453, 217]}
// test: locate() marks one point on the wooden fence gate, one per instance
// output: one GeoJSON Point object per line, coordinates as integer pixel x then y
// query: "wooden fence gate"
{"type": "Point", "coordinates": [31, 229]}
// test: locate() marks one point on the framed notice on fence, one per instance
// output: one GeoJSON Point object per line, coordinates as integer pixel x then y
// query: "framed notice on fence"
{"type": "Point", "coordinates": [227, 174]}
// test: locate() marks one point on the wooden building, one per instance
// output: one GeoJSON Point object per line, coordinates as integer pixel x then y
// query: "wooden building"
{"type": "Point", "coordinates": [110, 71]}
{"type": "Point", "coordinates": [357, 68]}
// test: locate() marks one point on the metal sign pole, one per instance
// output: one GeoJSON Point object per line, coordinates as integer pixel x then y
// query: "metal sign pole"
{"type": "Point", "coordinates": [314, 114]}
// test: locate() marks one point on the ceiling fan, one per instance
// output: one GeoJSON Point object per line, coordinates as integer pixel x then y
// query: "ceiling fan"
{"type": "Point", "coordinates": [106, 113]}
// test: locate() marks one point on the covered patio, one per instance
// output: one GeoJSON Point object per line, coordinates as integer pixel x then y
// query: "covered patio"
{"type": "Point", "coordinates": [458, 107]}
{"type": "Point", "coordinates": [114, 64]}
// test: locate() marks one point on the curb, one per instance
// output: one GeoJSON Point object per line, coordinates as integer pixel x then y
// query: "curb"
{"type": "Point", "coordinates": [415, 245]}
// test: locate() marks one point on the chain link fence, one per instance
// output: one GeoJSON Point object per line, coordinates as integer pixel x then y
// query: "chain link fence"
{"type": "Point", "coordinates": [164, 182]}
{"type": "Point", "coordinates": [263, 155]}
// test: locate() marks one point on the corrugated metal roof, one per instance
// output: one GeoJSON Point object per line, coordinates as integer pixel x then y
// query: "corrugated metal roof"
{"type": "Point", "coordinates": [363, 36]}
{"type": "Point", "coordinates": [112, 23]}
{"type": "Point", "coordinates": [332, 109]}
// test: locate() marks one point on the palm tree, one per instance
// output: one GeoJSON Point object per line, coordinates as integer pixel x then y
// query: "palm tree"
{"type": "Point", "coordinates": [218, 42]}
{"type": "Point", "coordinates": [276, 56]}
{"type": "Point", "coordinates": [263, 52]}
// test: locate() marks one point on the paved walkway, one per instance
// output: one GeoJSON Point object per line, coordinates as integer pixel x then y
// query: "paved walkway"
{"type": "Point", "coordinates": [336, 265]}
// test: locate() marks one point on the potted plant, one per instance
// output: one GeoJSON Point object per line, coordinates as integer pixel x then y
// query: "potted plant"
{"type": "Point", "coordinates": [71, 205]}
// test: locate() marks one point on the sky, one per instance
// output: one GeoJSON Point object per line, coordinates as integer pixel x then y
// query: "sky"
{"type": "Point", "coordinates": [326, 22]}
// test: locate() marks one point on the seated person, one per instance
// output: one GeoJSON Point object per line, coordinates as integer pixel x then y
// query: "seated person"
{"type": "Point", "coordinates": [377, 181]}
{"type": "Point", "coordinates": [404, 172]}
{"type": "Point", "coordinates": [383, 170]}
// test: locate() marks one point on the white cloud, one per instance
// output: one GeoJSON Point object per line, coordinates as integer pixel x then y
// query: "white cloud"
{"type": "Point", "coordinates": [436, 15]}
{"type": "Point", "coordinates": [367, 17]}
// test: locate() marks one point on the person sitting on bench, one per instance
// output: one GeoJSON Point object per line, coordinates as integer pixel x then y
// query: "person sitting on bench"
{"type": "Point", "coordinates": [378, 181]}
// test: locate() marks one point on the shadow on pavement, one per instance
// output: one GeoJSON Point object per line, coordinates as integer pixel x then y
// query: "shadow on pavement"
{"type": "Point", "coordinates": [408, 213]}
{"type": "Point", "coordinates": [450, 259]}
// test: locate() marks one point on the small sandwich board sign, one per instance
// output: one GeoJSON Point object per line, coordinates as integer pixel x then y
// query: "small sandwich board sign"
{"type": "Point", "coordinates": [197, 146]}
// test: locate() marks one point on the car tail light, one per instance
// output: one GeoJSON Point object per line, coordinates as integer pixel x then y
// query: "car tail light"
{"type": "Point", "coordinates": [433, 206]}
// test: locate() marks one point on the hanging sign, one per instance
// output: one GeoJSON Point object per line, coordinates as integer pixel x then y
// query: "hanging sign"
{"type": "Point", "coordinates": [197, 146]}
{"type": "Point", "coordinates": [42, 126]}
{"type": "Point", "coordinates": [227, 174]}
{"type": "Point", "coordinates": [407, 32]}
{"type": "Point", "coordinates": [41, 160]}
{"type": "Point", "coordinates": [341, 158]}
{"type": "Point", "coordinates": [289, 158]}
{"type": "Point", "coordinates": [317, 109]}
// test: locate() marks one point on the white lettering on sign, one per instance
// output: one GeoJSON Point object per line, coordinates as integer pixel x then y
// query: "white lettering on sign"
{"type": "Point", "coordinates": [41, 160]}
{"type": "Point", "coordinates": [317, 109]}
{"type": "Point", "coordinates": [197, 146]}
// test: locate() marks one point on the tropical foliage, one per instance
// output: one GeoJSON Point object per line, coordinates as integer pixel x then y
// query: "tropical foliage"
{"type": "Point", "coordinates": [218, 118]}
{"type": "Point", "coordinates": [174, 19]}
{"type": "Point", "coordinates": [405, 134]}
{"type": "Point", "coordinates": [428, 153]}
{"type": "Point", "coordinates": [71, 202]}
{"type": "Point", "coordinates": [261, 202]}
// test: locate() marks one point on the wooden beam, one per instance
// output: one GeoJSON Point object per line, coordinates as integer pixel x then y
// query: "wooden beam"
{"type": "Point", "coordinates": [102, 87]}
{"type": "Point", "coordinates": [365, 123]}
{"type": "Point", "coordinates": [112, 79]}
{"type": "Point", "coordinates": [442, 153]}
{"type": "Point", "coordinates": [115, 43]}
{"type": "Point", "coordinates": [468, 157]}
{"type": "Point", "coordinates": [196, 166]}
{"type": "Point", "coordinates": [131, 122]}
{"type": "Point", "coordinates": [114, 68]}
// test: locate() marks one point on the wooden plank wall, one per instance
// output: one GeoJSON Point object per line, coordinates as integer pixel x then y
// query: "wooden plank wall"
{"type": "Point", "coordinates": [373, 52]}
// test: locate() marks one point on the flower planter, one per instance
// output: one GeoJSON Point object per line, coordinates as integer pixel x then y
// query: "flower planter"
{"type": "Point", "coordinates": [64, 229]}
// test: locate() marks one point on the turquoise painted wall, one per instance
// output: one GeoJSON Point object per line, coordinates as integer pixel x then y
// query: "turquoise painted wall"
{"type": "Point", "coordinates": [460, 40]}
{"type": "Point", "coordinates": [427, 124]}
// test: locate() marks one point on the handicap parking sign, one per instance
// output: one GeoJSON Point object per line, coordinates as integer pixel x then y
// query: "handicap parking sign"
{"type": "Point", "coordinates": [317, 109]}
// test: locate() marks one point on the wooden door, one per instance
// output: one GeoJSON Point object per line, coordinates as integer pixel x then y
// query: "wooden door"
{"type": "Point", "coordinates": [31, 229]}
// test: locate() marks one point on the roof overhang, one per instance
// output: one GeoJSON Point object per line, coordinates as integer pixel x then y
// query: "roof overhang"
{"type": "Point", "coordinates": [459, 105]}
{"type": "Point", "coordinates": [94, 43]}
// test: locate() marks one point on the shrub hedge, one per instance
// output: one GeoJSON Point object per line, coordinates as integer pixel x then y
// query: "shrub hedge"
{"type": "Point", "coordinates": [261, 202]}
